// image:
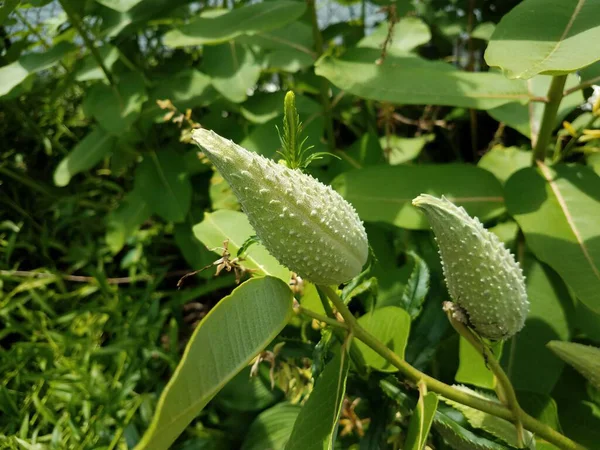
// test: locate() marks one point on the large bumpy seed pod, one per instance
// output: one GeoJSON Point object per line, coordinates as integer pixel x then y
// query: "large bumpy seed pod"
{"type": "Point", "coordinates": [482, 276]}
{"type": "Point", "coordinates": [305, 224]}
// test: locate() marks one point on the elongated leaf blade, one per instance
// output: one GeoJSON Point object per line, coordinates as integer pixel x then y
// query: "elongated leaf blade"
{"type": "Point", "coordinates": [85, 155]}
{"type": "Point", "coordinates": [558, 208]}
{"type": "Point", "coordinates": [547, 37]}
{"type": "Point", "coordinates": [385, 193]}
{"type": "Point", "coordinates": [316, 424]}
{"type": "Point", "coordinates": [249, 19]}
{"type": "Point", "coordinates": [420, 421]}
{"type": "Point", "coordinates": [238, 328]}
{"type": "Point", "coordinates": [584, 358]}
{"type": "Point", "coordinates": [272, 428]}
{"type": "Point", "coordinates": [410, 80]}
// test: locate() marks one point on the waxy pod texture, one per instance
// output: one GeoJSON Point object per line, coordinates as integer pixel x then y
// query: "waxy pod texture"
{"type": "Point", "coordinates": [303, 223]}
{"type": "Point", "coordinates": [482, 276]}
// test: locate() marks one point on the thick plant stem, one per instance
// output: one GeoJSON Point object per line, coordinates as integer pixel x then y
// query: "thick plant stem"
{"type": "Point", "coordinates": [415, 375]}
{"type": "Point", "coordinates": [319, 317]}
{"type": "Point", "coordinates": [507, 393]}
{"type": "Point", "coordinates": [323, 84]}
{"type": "Point", "coordinates": [555, 95]}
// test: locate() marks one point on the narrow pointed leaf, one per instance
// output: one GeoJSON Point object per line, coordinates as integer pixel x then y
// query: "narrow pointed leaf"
{"type": "Point", "coordinates": [420, 422]}
{"type": "Point", "coordinates": [584, 358]}
{"type": "Point", "coordinates": [236, 330]}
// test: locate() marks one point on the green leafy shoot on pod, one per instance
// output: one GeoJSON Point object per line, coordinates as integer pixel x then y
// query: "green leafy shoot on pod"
{"type": "Point", "coordinates": [483, 278]}
{"type": "Point", "coordinates": [294, 151]}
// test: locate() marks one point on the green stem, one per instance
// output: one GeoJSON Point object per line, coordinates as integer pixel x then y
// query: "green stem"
{"type": "Point", "coordinates": [509, 396]}
{"type": "Point", "coordinates": [79, 27]}
{"type": "Point", "coordinates": [321, 318]}
{"type": "Point", "coordinates": [323, 84]}
{"type": "Point", "coordinates": [493, 408]}
{"type": "Point", "coordinates": [555, 95]}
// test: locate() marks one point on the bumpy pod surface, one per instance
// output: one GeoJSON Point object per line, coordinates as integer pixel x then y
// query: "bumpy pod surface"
{"type": "Point", "coordinates": [303, 223]}
{"type": "Point", "coordinates": [482, 276]}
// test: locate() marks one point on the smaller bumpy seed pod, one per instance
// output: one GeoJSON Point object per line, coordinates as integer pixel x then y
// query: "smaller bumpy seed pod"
{"type": "Point", "coordinates": [303, 223]}
{"type": "Point", "coordinates": [482, 276]}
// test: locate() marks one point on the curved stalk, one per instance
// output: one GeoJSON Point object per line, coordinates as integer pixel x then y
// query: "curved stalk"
{"type": "Point", "coordinates": [415, 375]}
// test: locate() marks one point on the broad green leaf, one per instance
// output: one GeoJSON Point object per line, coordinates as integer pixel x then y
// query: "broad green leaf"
{"type": "Point", "coordinates": [527, 118]}
{"type": "Point", "coordinates": [6, 8]}
{"type": "Point", "coordinates": [365, 151]}
{"type": "Point", "coordinates": [126, 220]}
{"type": "Point", "coordinates": [289, 48]}
{"type": "Point", "coordinates": [235, 331]}
{"type": "Point", "coordinates": [400, 149]}
{"type": "Point", "coordinates": [541, 406]}
{"type": "Point", "coordinates": [186, 89]}
{"type": "Point", "coordinates": [504, 161]}
{"type": "Point", "coordinates": [483, 31]}
{"type": "Point", "coordinates": [545, 36]}
{"type": "Point", "coordinates": [584, 358]}
{"type": "Point", "coordinates": [248, 393]}
{"type": "Point", "coordinates": [409, 33]}
{"type": "Point", "coordinates": [195, 253]}
{"type": "Point", "coordinates": [420, 421]}
{"type": "Point", "coordinates": [234, 226]}
{"type": "Point", "coordinates": [410, 80]}
{"type": "Point", "coordinates": [590, 74]}
{"type": "Point", "coordinates": [14, 73]}
{"type": "Point", "coordinates": [232, 69]}
{"type": "Point", "coordinates": [316, 424]}
{"type": "Point", "coordinates": [496, 426]}
{"type": "Point", "coordinates": [548, 319]}
{"type": "Point", "coordinates": [164, 183]}
{"type": "Point", "coordinates": [272, 428]}
{"type": "Point", "coordinates": [385, 193]}
{"type": "Point", "coordinates": [85, 155]}
{"type": "Point", "coordinates": [416, 287]}
{"type": "Point", "coordinates": [557, 209]}
{"type": "Point", "coordinates": [264, 107]}
{"type": "Point", "coordinates": [221, 195]}
{"type": "Point", "coordinates": [472, 368]}
{"type": "Point", "coordinates": [459, 437]}
{"type": "Point", "coordinates": [249, 19]}
{"type": "Point", "coordinates": [89, 69]}
{"type": "Point", "coordinates": [116, 109]}
{"type": "Point", "coordinates": [119, 5]}
{"type": "Point", "coordinates": [391, 325]}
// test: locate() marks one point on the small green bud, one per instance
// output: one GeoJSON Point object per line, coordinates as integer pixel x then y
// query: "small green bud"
{"type": "Point", "coordinates": [303, 223]}
{"type": "Point", "coordinates": [482, 276]}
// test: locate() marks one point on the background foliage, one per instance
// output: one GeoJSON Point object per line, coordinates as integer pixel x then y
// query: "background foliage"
{"type": "Point", "coordinates": [105, 205]}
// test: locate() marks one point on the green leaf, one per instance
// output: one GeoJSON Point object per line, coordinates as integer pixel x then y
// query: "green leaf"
{"type": "Point", "coordinates": [420, 422]}
{"type": "Point", "coordinates": [557, 209]}
{"type": "Point", "coordinates": [315, 426]}
{"type": "Point", "coordinates": [221, 195]}
{"type": "Point", "coordinates": [545, 36]}
{"type": "Point", "coordinates": [410, 80]}
{"type": "Point", "coordinates": [195, 253]}
{"type": "Point", "coordinates": [124, 221]}
{"type": "Point", "coordinates": [496, 426]}
{"type": "Point", "coordinates": [85, 155]}
{"type": "Point", "coordinates": [89, 69]}
{"type": "Point", "coordinates": [401, 149]}
{"type": "Point", "coordinates": [483, 31]}
{"type": "Point", "coordinates": [365, 151]}
{"type": "Point", "coordinates": [186, 89]}
{"type": "Point", "coordinates": [272, 428]}
{"type": "Point", "coordinates": [235, 331]}
{"type": "Point", "coordinates": [416, 288]}
{"type": "Point", "coordinates": [458, 437]}
{"type": "Point", "coordinates": [249, 19]}
{"type": "Point", "coordinates": [264, 107]}
{"type": "Point", "coordinates": [504, 161]}
{"type": "Point", "coordinates": [584, 358]}
{"type": "Point", "coordinates": [6, 8]}
{"type": "Point", "coordinates": [385, 193]}
{"type": "Point", "coordinates": [232, 69]}
{"type": "Point", "coordinates": [409, 33]}
{"type": "Point", "coordinates": [550, 307]}
{"type": "Point", "coordinates": [116, 109]}
{"type": "Point", "coordinates": [234, 226]}
{"type": "Point", "coordinates": [390, 325]}
{"type": "Point", "coordinates": [541, 406]}
{"type": "Point", "coordinates": [119, 5]}
{"type": "Point", "coordinates": [164, 183]}
{"type": "Point", "coordinates": [14, 73]}
{"type": "Point", "coordinates": [527, 118]}
{"type": "Point", "coordinates": [249, 393]}
{"type": "Point", "coordinates": [472, 368]}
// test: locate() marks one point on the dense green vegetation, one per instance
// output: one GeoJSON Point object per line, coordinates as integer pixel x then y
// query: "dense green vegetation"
{"type": "Point", "coordinates": [107, 207]}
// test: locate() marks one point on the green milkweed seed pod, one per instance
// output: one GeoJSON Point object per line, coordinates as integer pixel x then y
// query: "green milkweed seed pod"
{"type": "Point", "coordinates": [303, 223]}
{"type": "Point", "coordinates": [482, 276]}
